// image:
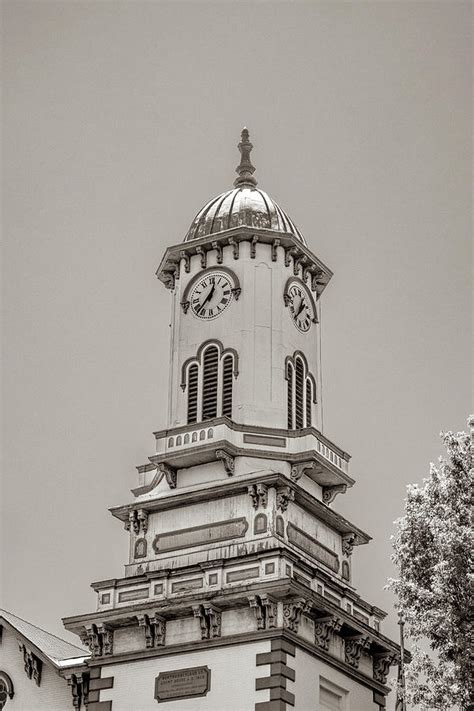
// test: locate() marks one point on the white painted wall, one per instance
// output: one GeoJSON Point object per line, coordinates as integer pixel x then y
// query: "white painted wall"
{"type": "Point", "coordinates": [309, 669]}
{"type": "Point", "coordinates": [258, 326]}
{"type": "Point", "coordinates": [52, 695]}
{"type": "Point", "coordinates": [233, 674]}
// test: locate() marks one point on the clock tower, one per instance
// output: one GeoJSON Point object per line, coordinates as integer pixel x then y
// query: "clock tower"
{"type": "Point", "coordinates": [238, 593]}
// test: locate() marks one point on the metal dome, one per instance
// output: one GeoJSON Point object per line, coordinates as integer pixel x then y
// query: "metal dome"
{"type": "Point", "coordinates": [245, 205]}
{"type": "Point", "coordinates": [242, 206]}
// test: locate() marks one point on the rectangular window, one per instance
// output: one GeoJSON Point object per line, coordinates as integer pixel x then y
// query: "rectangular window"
{"type": "Point", "coordinates": [332, 697]}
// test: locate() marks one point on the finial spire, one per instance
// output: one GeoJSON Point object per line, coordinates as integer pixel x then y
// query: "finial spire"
{"type": "Point", "coordinates": [245, 169]}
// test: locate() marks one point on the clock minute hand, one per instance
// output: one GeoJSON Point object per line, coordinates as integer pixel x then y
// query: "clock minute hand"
{"type": "Point", "coordinates": [301, 308]}
{"type": "Point", "coordinates": [208, 297]}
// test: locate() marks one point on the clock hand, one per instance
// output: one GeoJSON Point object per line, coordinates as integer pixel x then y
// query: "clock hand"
{"type": "Point", "coordinates": [208, 297]}
{"type": "Point", "coordinates": [302, 305]}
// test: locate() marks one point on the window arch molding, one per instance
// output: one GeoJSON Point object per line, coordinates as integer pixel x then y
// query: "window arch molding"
{"type": "Point", "coordinates": [6, 686]}
{"type": "Point", "coordinates": [301, 394]}
{"type": "Point", "coordinates": [197, 359]}
{"type": "Point", "coordinates": [208, 378]}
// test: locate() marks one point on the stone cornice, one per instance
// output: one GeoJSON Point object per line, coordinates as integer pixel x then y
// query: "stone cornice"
{"type": "Point", "coordinates": [324, 473]}
{"type": "Point", "coordinates": [291, 593]}
{"type": "Point", "coordinates": [239, 485]}
{"type": "Point", "coordinates": [235, 598]}
{"type": "Point", "coordinates": [303, 258]}
{"type": "Point", "coordinates": [332, 583]}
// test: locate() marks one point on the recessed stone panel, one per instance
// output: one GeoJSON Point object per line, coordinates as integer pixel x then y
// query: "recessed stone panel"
{"type": "Point", "coordinates": [313, 547]}
{"type": "Point", "coordinates": [182, 585]}
{"type": "Point", "coordinates": [200, 535]}
{"type": "Point", "coordinates": [137, 594]}
{"type": "Point", "coordinates": [242, 574]}
{"type": "Point", "coordinates": [264, 440]}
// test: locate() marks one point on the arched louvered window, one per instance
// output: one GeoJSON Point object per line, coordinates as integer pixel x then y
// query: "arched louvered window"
{"type": "Point", "coordinates": [301, 393]}
{"type": "Point", "coordinates": [309, 398]}
{"type": "Point", "coordinates": [208, 382]}
{"type": "Point", "coordinates": [193, 377]}
{"type": "Point", "coordinates": [227, 368]}
{"type": "Point", "coordinates": [290, 379]}
{"type": "Point", "coordinates": [210, 378]}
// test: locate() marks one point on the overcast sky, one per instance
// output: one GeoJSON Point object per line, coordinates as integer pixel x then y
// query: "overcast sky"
{"type": "Point", "coordinates": [120, 121]}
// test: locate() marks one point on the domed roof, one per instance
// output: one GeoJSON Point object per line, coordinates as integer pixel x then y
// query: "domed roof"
{"type": "Point", "coordinates": [245, 205]}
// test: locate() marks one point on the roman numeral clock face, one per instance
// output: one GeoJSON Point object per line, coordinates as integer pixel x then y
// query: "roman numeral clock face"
{"type": "Point", "coordinates": [211, 295]}
{"type": "Point", "coordinates": [300, 305]}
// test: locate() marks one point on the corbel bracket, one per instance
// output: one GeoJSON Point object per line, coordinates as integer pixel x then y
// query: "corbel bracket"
{"type": "Point", "coordinates": [275, 244]}
{"type": "Point", "coordinates": [297, 470]}
{"type": "Point", "coordinates": [79, 684]}
{"type": "Point", "coordinates": [169, 279]}
{"type": "Point", "coordinates": [209, 620]}
{"type": "Point", "coordinates": [137, 521]}
{"type": "Point", "coordinates": [202, 252]}
{"type": "Point", "coordinates": [187, 261]}
{"type": "Point", "coordinates": [265, 608]}
{"type": "Point", "coordinates": [297, 261]}
{"type": "Point", "coordinates": [316, 280]}
{"type": "Point", "coordinates": [227, 459]}
{"type": "Point", "coordinates": [353, 648]}
{"type": "Point", "coordinates": [218, 247]}
{"type": "Point", "coordinates": [381, 665]}
{"type": "Point", "coordinates": [292, 612]}
{"type": "Point", "coordinates": [170, 473]}
{"type": "Point", "coordinates": [155, 629]}
{"type": "Point", "coordinates": [235, 247]}
{"type": "Point", "coordinates": [330, 492]}
{"type": "Point", "coordinates": [259, 495]}
{"type": "Point", "coordinates": [348, 542]}
{"type": "Point", "coordinates": [32, 665]}
{"type": "Point", "coordinates": [284, 495]}
{"type": "Point", "coordinates": [253, 247]}
{"type": "Point", "coordinates": [288, 254]}
{"type": "Point", "coordinates": [324, 629]}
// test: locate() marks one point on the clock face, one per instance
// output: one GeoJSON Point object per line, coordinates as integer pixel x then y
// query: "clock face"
{"type": "Point", "coordinates": [300, 305]}
{"type": "Point", "coordinates": [211, 294]}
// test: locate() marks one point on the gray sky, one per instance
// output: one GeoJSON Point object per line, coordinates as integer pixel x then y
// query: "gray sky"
{"type": "Point", "coordinates": [120, 121]}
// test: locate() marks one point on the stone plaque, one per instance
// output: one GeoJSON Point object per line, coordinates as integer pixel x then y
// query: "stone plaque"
{"type": "Point", "coordinates": [182, 683]}
{"type": "Point", "coordinates": [200, 535]}
{"type": "Point", "coordinates": [313, 547]}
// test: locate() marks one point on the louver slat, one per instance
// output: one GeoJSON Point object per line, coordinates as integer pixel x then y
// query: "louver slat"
{"type": "Point", "coordinates": [289, 375]}
{"type": "Point", "coordinates": [192, 393]}
{"type": "Point", "coordinates": [209, 383]}
{"type": "Point", "coordinates": [309, 392]}
{"type": "Point", "coordinates": [227, 386]}
{"type": "Point", "coordinates": [299, 419]}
